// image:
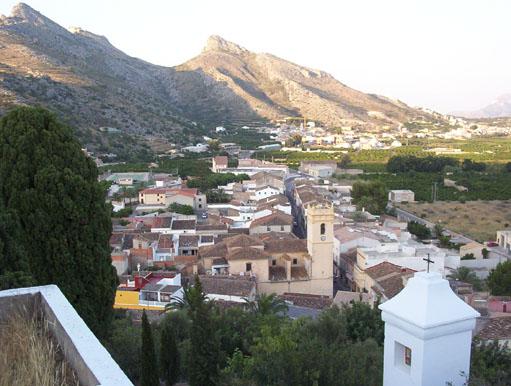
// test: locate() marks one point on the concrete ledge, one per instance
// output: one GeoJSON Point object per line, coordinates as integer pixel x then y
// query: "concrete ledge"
{"type": "Point", "coordinates": [89, 359]}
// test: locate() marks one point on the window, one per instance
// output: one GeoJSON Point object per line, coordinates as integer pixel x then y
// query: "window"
{"type": "Point", "coordinates": [402, 357]}
{"type": "Point", "coordinates": [274, 262]}
{"type": "Point", "coordinates": [408, 356]}
{"type": "Point", "coordinates": [200, 199]}
{"type": "Point", "coordinates": [322, 228]}
{"type": "Point", "coordinates": [248, 267]}
{"type": "Point", "coordinates": [295, 261]}
{"type": "Point", "coordinates": [268, 228]}
{"type": "Point", "coordinates": [282, 228]}
{"type": "Point", "coordinates": [200, 206]}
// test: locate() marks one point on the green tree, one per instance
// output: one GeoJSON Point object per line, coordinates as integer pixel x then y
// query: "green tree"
{"type": "Point", "coordinates": [49, 191]}
{"type": "Point", "coordinates": [214, 145]}
{"type": "Point", "coordinates": [148, 364]}
{"type": "Point", "coordinates": [490, 364]}
{"type": "Point", "coordinates": [169, 356]}
{"type": "Point", "coordinates": [419, 230]}
{"type": "Point", "coordinates": [181, 209]}
{"type": "Point", "coordinates": [265, 304]}
{"type": "Point", "coordinates": [439, 230]}
{"type": "Point", "coordinates": [363, 322]}
{"type": "Point", "coordinates": [485, 252]}
{"type": "Point", "coordinates": [204, 353]}
{"type": "Point", "coordinates": [466, 275]}
{"type": "Point", "coordinates": [499, 279]}
{"type": "Point", "coordinates": [370, 195]}
{"type": "Point", "coordinates": [124, 344]}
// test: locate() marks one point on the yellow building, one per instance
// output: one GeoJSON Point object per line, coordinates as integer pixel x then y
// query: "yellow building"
{"type": "Point", "coordinates": [280, 262]}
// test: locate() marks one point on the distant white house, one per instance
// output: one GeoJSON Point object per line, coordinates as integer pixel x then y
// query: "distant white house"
{"type": "Point", "coordinates": [220, 129]}
{"type": "Point", "coordinates": [199, 148]}
{"type": "Point", "coordinates": [401, 196]}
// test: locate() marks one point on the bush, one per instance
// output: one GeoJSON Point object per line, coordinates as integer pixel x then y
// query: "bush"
{"type": "Point", "coordinates": [419, 230]}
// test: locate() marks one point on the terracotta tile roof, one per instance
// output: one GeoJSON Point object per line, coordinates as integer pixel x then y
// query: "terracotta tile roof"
{"type": "Point", "coordinates": [183, 224]}
{"type": "Point", "coordinates": [211, 227]}
{"type": "Point", "coordinates": [228, 285]}
{"type": "Point", "coordinates": [221, 160]}
{"type": "Point", "coordinates": [276, 218]}
{"type": "Point", "coordinates": [161, 222]}
{"type": "Point", "coordinates": [145, 253]}
{"type": "Point", "coordinates": [290, 246]}
{"type": "Point", "coordinates": [188, 241]}
{"type": "Point", "coordinates": [389, 278]}
{"type": "Point", "coordinates": [183, 191]}
{"type": "Point", "coordinates": [385, 268]}
{"type": "Point", "coordinates": [498, 328]}
{"type": "Point", "coordinates": [307, 300]}
{"type": "Point", "coordinates": [165, 241]}
{"type": "Point", "coordinates": [216, 250]}
{"type": "Point", "coordinates": [147, 236]}
{"type": "Point", "coordinates": [116, 239]}
{"type": "Point", "coordinates": [206, 239]}
{"type": "Point", "coordinates": [347, 297]}
{"type": "Point", "coordinates": [242, 241]}
{"type": "Point", "coordinates": [247, 253]}
{"type": "Point", "coordinates": [277, 236]}
{"type": "Point", "coordinates": [189, 192]}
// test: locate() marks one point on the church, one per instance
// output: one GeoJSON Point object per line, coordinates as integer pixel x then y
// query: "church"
{"type": "Point", "coordinates": [279, 262]}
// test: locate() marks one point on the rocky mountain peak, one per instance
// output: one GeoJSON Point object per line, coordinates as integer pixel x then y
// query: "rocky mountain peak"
{"type": "Point", "coordinates": [27, 13]}
{"type": "Point", "coordinates": [217, 43]}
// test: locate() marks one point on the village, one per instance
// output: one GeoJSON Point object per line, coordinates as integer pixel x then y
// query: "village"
{"type": "Point", "coordinates": [294, 233]}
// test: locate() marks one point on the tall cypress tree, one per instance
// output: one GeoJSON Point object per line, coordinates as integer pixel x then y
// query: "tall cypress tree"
{"type": "Point", "coordinates": [169, 356]}
{"type": "Point", "coordinates": [205, 352]}
{"type": "Point", "coordinates": [149, 367]}
{"type": "Point", "coordinates": [50, 193]}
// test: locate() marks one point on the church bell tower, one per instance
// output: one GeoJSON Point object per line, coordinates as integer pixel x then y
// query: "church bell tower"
{"type": "Point", "coordinates": [320, 245]}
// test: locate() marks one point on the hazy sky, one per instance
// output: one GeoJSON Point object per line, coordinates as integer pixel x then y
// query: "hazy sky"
{"type": "Point", "coordinates": [444, 54]}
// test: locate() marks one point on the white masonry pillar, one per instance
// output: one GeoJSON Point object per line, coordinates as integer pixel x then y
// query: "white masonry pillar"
{"type": "Point", "coordinates": [428, 334]}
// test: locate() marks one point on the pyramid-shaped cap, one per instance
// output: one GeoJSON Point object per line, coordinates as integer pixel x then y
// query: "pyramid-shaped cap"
{"type": "Point", "coordinates": [428, 301]}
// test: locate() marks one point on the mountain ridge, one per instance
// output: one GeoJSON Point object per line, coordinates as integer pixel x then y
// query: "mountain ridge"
{"type": "Point", "coordinates": [500, 108]}
{"type": "Point", "coordinates": [91, 83]}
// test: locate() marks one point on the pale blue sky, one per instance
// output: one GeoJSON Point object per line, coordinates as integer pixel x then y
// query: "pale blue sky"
{"type": "Point", "coordinates": [444, 54]}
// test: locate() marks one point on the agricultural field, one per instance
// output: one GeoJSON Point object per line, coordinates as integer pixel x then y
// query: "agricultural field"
{"type": "Point", "coordinates": [477, 219]}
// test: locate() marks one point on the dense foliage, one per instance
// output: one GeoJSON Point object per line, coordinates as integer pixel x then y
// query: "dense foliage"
{"type": "Point", "coordinates": [419, 230]}
{"type": "Point", "coordinates": [257, 344]}
{"type": "Point", "coordinates": [401, 164]}
{"type": "Point", "coordinates": [369, 195]}
{"type": "Point", "coordinates": [55, 226]}
{"type": "Point", "coordinates": [149, 375]}
{"type": "Point", "coordinates": [181, 209]}
{"type": "Point", "coordinates": [499, 279]}
{"type": "Point", "coordinates": [490, 364]}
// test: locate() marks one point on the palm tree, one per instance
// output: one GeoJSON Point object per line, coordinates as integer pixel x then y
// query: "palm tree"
{"type": "Point", "coordinates": [466, 275]}
{"type": "Point", "coordinates": [439, 229]}
{"type": "Point", "coordinates": [267, 305]}
{"type": "Point", "coordinates": [192, 296]}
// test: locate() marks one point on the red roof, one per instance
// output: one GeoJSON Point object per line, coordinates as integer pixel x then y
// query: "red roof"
{"type": "Point", "coordinates": [184, 191]}
{"type": "Point", "coordinates": [221, 160]}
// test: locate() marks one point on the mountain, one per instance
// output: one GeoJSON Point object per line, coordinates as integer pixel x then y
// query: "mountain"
{"type": "Point", "coordinates": [501, 107]}
{"type": "Point", "coordinates": [275, 88]}
{"type": "Point", "coordinates": [90, 83]}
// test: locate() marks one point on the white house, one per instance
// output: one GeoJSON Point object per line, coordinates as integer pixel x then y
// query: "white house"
{"type": "Point", "coordinates": [264, 192]}
{"type": "Point", "coordinates": [401, 196]}
{"type": "Point", "coordinates": [428, 334]}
